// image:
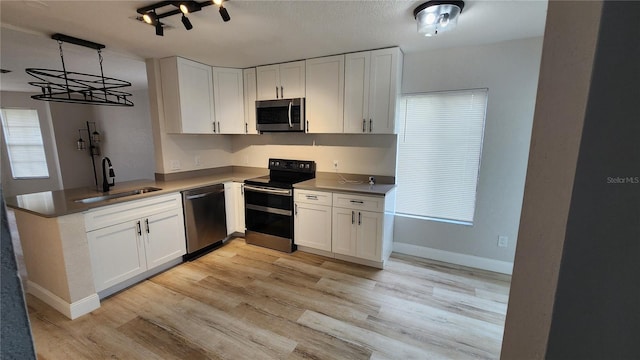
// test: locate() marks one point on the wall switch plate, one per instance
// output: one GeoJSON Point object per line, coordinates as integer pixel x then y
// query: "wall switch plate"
{"type": "Point", "coordinates": [175, 164]}
{"type": "Point", "coordinates": [503, 241]}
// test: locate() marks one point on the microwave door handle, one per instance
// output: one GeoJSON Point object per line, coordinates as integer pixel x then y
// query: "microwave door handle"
{"type": "Point", "coordinates": [290, 124]}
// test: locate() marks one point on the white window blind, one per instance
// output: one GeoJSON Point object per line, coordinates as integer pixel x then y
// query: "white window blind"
{"type": "Point", "coordinates": [24, 143]}
{"type": "Point", "coordinates": [439, 150]}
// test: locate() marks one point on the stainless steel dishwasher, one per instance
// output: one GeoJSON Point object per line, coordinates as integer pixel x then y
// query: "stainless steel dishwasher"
{"type": "Point", "coordinates": [204, 219]}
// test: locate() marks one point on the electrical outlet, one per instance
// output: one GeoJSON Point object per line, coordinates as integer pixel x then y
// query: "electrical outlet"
{"type": "Point", "coordinates": [175, 164]}
{"type": "Point", "coordinates": [503, 241]}
{"type": "Point", "coordinates": [196, 160]}
{"type": "Point", "coordinates": [335, 164]}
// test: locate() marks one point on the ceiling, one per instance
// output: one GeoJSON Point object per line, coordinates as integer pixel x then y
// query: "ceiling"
{"type": "Point", "coordinates": [260, 32]}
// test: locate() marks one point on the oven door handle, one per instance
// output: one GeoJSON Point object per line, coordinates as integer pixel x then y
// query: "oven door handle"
{"type": "Point", "coordinates": [286, 192]}
{"type": "Point", "coordinates": [269, 210]}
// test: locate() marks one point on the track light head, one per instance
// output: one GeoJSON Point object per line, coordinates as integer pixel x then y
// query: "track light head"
{"type": "Point", "coordinates": [186, 22]}
{"type": "Point", "coordinates": [150, 17]}
{"type": "Point", "coordinates": [224, 13]}
{"type": "Point", "coordinates": [159, 29]}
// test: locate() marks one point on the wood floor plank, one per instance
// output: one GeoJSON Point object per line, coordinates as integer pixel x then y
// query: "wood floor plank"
{"type": "Point", "coordinates": [247, 302]}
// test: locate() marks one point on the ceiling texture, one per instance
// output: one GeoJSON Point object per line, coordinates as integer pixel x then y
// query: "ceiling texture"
{"type": "Point", "coordinates": [259, 33]}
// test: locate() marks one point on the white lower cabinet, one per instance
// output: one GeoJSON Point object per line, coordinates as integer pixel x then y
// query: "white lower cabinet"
{"type": "Point", "coordinates": [234, 205]}
{"type": "Point", "coordinates": [357, 233]}
{"type": "Point", "coordinates": [312, 223]}
{"type": "Point", "coordinates": [352, 227]}
{"type": "Point", "coordinates": [148, 233]}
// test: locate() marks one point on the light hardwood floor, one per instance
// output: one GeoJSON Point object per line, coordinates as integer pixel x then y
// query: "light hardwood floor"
{"type": "Point", "coordinates": [247, 302]}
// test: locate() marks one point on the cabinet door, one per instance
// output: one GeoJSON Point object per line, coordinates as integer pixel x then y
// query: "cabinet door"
{"type": "Point", "coordinates": [117, 254]}
{"type": "Point", "coordinates": [195, 97]}
{"type": "Point", "coordinates": [369, 237]}
{"type": "Point", "coordinates": [164, 237]}
{"type": "Point", "coordinates": [268, 82]}
{"type": "Point", "coordinates": [228, 93]}
{"type": "Point", "coordinates": [239, 190]}
{"type": "Point", "coordinates": [250, 101]}
{"type": "Point", "coordinates": [325, 94]}
{"type": "Point", "coordinates": [312, 225]}
{"type": "Point", "coordinates": [382, 90]}
{"type": "Point", "coordinates": [356, 92]}
{"type": "Point", "coordinates": [344, 231]}
{"type": "Point", "coordinates": [292, 80]}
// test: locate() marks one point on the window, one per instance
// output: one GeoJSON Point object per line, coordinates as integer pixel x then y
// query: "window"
{"type": "Point", "coordinates": [439, 150]}
{"type": "Point", "coordinates": [24, 143]}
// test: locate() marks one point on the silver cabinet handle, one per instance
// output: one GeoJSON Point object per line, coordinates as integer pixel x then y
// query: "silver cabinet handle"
{"type": "Point", "coordinates": [307, 126]}
{"type": "Point", "coordinates": [241, 189]}
{"type": "Point", "coordinates": [353, 217]}
{"type": "Point", "coordinates": [139, 228]}
{"type": "Point", "coordinates": [295, 209]}
{"type": "Point", "coordinates": [219, 130]}
{"type": "Point", "coordinates": [357, 201]}
{"type": "Point", "coordinates": [359, 218]}
{"type": "Point", "coordinates": [214, 126]}
{"type": "Point", "coordinates": [370, 125]}
{"type": "Point", "coordinates": [364, 125]}
{"type": "Point", "coordinates": [246, 128]}
{"type": "Point", "coordinates": [312, 197]}
{"type": "Point", "coordinates": [276, 92]}
{"type": "Point", "coordinates": [281, 92]}
{"type": "Point", "coordinates": [146, 224]}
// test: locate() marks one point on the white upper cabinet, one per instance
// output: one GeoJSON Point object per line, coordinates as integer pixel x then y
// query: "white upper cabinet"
{"type": "Point", "coordinates": [325, 94]}
{"type": "Point", "coordinates": [228, 85]}
{"type": "Point", "coordinates": [250, 101]}
{"type": "Point", "coordinates": [281, 81]}
{"type": "Point", "coordinates": [372, 87]}
{"type": "Point", "coordinates": [187, 88]}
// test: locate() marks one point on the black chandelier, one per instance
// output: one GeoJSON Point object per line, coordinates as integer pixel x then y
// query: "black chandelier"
{"type": "Point", "coordinates": [79, 88]}
{"type": "Point", "coordinates": [151, 14]}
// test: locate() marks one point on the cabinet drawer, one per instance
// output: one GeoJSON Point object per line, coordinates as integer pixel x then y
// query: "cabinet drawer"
{"type": "Point", "coordinates": [362, 202]}
{"type": "Point", "coordinates": [119, 213]}
{"type": "Point", "coordinates": [312, 197]}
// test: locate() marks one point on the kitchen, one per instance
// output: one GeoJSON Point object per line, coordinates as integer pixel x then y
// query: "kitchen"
{"type": "Point", "coordinates": [354, 154]}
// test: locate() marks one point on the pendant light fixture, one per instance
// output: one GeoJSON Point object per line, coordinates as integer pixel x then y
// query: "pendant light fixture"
{"type": "Point", "coordinates": [151, 15]}
{"type": "Point", "coordinates": [79, 88]}
{"type": "Point", "coordinates": [437, 16]}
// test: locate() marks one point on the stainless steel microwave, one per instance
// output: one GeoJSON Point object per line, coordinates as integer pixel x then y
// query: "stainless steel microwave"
{"type": "Point", "coordinates": [281, 115]}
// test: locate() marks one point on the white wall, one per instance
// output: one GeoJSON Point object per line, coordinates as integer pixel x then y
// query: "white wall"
{"type": "Point", "coordinates": [75, 165]}
{"type": "Point", "coordinates": [510, 71]}
{"type": "Point", "coordinates": [127, 138]}
{"type": "Point", "coordinates": [356, 154]}
{"type": "Point", "coordinates": [54, 182]}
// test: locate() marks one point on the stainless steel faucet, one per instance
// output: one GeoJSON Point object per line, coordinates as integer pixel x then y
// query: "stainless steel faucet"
{"type": "Point", "coordinates": [105, 183]}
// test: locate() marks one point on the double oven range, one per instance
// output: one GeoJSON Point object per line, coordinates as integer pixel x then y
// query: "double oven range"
{"type": "Point", "coordinates": [269, 203]}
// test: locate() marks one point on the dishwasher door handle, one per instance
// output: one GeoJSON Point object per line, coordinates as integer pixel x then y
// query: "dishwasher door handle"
{"type": "Point", "coordinates": [198, 196]}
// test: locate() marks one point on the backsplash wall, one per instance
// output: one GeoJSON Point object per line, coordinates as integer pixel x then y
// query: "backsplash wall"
{"type": "Point", "coordinates": [356, 154]}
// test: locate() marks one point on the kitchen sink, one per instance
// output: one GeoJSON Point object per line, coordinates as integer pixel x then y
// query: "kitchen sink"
{"type": "Point", "coordinates": [93, 199]}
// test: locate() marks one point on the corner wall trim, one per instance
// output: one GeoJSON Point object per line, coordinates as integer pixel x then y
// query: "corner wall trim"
{"type": "Point", "coordinates": [73, 310]}
{"type": "Point", "coordinates": [477, 262]}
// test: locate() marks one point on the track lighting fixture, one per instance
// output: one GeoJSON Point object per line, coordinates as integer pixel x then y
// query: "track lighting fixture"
{"type": "Point", "coordinates": [186, 22]}
{"type": "Point", "coordinates": [159, 29]}
{"type": "Point", "coordinates": [151, 15]}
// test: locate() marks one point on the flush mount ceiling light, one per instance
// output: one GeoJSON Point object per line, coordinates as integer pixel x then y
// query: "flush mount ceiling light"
{"type": "Point", "coordinates": [151, 14]}
{"type": "Point", "coordinates": [79, 88]}
{"type": "Point", "coordinates": [437, 16]}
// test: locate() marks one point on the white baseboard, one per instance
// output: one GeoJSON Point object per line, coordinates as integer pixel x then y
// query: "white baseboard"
{"type": "Point", "coordinates": [503, 267]}
{"type": "Point", "coordinates": [73, 310]}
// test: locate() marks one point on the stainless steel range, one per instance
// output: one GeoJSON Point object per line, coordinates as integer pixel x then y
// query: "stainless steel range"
{"type": "Point", "coordinates": [269, 203]}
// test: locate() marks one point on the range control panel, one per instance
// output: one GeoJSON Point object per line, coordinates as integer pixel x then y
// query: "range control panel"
{"type": "Point", "coordinates": [305, 166]}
